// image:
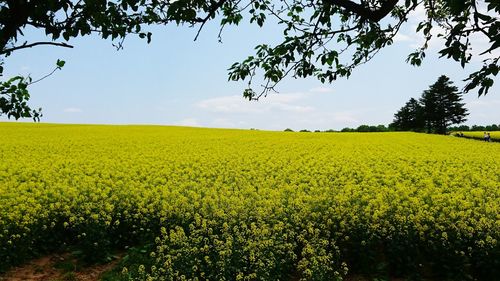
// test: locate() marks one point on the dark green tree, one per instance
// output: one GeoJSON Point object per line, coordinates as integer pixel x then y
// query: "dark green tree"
{"type": "Point", "coordinates": [461, 128]}
{"type": "Point", "coordinates": [325, 39]}
{"type": "Point", "coordinates": [363, 128]}
{"type": "Point", "coordinates": [478, 128]}
{"type": "Point", "coordinates": [381, 128]}
{"type": "Point", "coordinates": [442, 106]}
{"type": "Point", "coordinates": [493, 127]}
{"type": "Point", "coordinates": [409, 117]}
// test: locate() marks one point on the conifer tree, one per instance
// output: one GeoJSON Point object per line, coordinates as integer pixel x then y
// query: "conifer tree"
{"type": "Point", "coordinates": [439, 107]}
{"type": "Point", "coordinates": [409, 117]}
{"type": "Point", "coordinates": [442, 106]}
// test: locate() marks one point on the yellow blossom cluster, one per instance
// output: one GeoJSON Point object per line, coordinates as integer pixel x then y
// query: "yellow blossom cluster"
{"type": "Point", "coordinates": [252, 205]}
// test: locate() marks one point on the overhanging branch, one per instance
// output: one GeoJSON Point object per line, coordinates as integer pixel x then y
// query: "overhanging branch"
{"type": "Point", "coordinates": [211, 12]}
{"type": "Point", "coordinates": [373, 15]}
{"type": "Point", "coordinates": [24, 46]}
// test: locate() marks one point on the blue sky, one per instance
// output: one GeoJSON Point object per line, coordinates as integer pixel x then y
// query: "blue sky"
{"type": "Point", "coordinates": [176, 81]}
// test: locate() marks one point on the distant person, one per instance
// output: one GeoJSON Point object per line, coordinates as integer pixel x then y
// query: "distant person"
{"type": "Point", "coordinates": [462, 134]}
{"type": "Point", "coordinates": [488, 137]}
{"type": "Point", "coordinates": [485, 136]}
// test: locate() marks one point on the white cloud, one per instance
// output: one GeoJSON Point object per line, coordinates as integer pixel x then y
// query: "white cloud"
{"type": "Point", "coordinates": [191, 122]}
{"type": "Point", "coordinates": [417, 39]}
{"type": "Point", "coordinates": [321, 90]}
{"type": "Point", "coordinates": [229, 104]}
{"type": "Point", "coordinates": [419, 14]}
{"type": "Point", "coordinates": [345, 117]}
{"type": "Point", "coordinates": [484, 104]}
{"type": "Point", "coordinates": [301, 110]}
{"type": "Point", "coordinates": [403, 38]}
{"type": "Point", "coordinates": [292, 108]}
{"type": "Point", "coordinates": [483, 110]}
{"type": "Point", "coordinates": [479, 44]}
{"type": "Point", "coordinates": [223, 123]}
{"type": "Point", "coordinates": [72, 110]}
{"type": "Point", "coordinates": [273, 102]}
{"type": "Point", "coordinates": [286, 97]}
{"type": "Point", "coordinates": [407, 34]}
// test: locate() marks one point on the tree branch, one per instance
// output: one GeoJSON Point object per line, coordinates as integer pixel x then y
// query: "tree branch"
{"type": "Point", "coordinates": [24, 46]}
{"type": "Point", "coordinates": [38, 80]}
{"type": "Point", "coordinates": [373, 15]}
{"type": "Point", "coordinates": [211, 13]}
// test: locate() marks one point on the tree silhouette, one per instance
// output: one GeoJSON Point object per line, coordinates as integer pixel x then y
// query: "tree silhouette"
{"type": "Point", "coordinates": [409, 117]}
{"type": "Point", "coordinates": [442, 106]}
{"type": "Point", "coordinates": [439, 107]}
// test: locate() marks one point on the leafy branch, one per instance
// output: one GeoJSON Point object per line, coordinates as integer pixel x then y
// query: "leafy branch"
{"type": "Point", "coordinates": [14, 96]}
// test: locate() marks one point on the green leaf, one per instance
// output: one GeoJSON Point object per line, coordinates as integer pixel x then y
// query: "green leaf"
{"type": "Point", "coordinates": [60, 63]}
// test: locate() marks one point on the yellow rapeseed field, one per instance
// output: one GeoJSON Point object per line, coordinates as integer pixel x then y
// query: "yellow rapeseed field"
{"type": "Point", "coordinates": [252, 205]}
{"type": "Point", "coordinates": [495, 135]}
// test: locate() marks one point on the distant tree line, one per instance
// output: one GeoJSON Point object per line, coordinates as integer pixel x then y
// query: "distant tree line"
{"type": "Point", "coordinates": [383, 128]}
{"type": "Point", "coordinates": [439, 107]}
{"type": "Point", "coordinates": [367, 128]}
{"type": "Point", "coordinates": [362, 128]}
{"type": "Point", "coordinates": [435, 111]}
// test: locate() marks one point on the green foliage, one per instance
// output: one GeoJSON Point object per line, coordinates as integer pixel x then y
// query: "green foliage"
{"type": "Point", "coordinates": [14, 96]}
{"type": "Point", "coordinates": [493, 127]}
{"type": "Point", "coordinates": [128, 266]}
{"type": "Point", "coordinates": [326, 39]}
{"type": "Point", "coordinates": [367, 128]}
{"type": "Point", "coordinates": [347, 129]}
{"type": "Point", "coordinates": [460, 128]}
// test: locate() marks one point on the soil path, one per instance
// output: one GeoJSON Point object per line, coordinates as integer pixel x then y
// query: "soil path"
{"type": "Point", "coordinates": [56, 268]}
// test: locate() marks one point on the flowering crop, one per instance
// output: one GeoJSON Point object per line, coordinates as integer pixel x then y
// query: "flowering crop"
{"type": "Point", "coordinates": [252, 205]}
{"type": "Point", "coordinates": [480, 135]}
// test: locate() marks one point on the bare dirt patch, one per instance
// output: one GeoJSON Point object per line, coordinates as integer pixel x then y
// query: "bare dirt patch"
{"type": "Point", "coordinates": [56, 268]}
